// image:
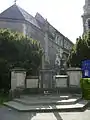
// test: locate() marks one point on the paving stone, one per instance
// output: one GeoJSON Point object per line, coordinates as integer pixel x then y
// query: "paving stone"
{"type": "Point", "coordinates": [22, 107]}
{"type": "Point", "coordinates": [44, 116]}
{"type": "Point", "coordinates": [77, 105]}
{"type": "Point", "coordinates": [76, 115]}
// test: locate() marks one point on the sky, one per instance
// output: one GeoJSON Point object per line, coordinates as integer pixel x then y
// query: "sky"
{"type": "Point", "coordinates": [64, 15]}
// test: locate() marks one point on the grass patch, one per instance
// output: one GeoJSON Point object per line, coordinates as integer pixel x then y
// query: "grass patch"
{"type": "Point", "coordinates": [3, 98]}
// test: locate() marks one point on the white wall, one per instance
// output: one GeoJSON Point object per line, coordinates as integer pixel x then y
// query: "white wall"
{"type": "Point", "coordinates": [17, 79]}
{"type": "Point", "coordinates": [74, 76]}
{"type": "Point", "coordinates": [20, 79]}
{"type": "Point", "coordinates": [61, 81]}
{"type": "Point", "coordinates": [31, 83]}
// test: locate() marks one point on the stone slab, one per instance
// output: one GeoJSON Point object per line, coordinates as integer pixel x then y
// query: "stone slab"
{"type": "Point", "coordinates": [45, 97]}
{"type": "Point", "coordinates": [80, 106]}
{"type": "Point", "coordinates": [47, 102]}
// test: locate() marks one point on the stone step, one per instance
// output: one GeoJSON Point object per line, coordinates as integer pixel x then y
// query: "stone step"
{"type": "Point", "coordinates": [48, 101]}
{"type": "Point", "coordinates": [45, 97]}
{"type": "Point", "coordinates": [80, 106]}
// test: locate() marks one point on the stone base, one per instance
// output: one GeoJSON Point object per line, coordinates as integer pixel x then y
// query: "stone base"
{"type": "Point", "coordinates": [47, 105]}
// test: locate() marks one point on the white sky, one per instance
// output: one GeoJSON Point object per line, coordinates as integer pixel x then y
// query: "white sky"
{"type": "Point", "coordinates": [64, 15]}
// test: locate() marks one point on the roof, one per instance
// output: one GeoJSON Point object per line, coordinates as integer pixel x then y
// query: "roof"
{"type": "Point", "coordinates": [16, 13]}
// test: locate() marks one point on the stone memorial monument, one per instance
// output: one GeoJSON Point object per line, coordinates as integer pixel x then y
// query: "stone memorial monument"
{"type": "Point", "coordinates": [18, 76]}
{"type": "Point", "coordinates": [46, 78]}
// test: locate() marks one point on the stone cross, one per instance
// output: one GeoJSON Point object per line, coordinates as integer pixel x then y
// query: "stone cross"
{"type": "Point", "coordinates": [15, 1]}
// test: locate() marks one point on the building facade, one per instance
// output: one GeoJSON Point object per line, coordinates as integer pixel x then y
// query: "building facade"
{"type": "Point", "coordinates": [53, 42]}
{"type": "Point", "coordinates": [86, 16]}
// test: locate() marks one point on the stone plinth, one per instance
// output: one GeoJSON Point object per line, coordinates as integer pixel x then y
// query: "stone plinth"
{"type": "Point", "coordinates": [18, 78]}
{"type": "Point", "coordinates": [46, 78]}
{"type": "Point", "coordinates": [75, 75]}
{"type": "Point", "coordinates": [61, 81]}
{"type": "Point", "coordinates": [32, 82]}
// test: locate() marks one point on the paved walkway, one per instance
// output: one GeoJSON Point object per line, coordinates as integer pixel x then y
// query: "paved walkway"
{"type": "Point", "coordinates": [47, 103]}
{"type": "Point", "coordinates": [11, 114]}
{"type": "Point", "coordinates": [77, 115]}
{"type": "Point", "coordinates": [7, 114]}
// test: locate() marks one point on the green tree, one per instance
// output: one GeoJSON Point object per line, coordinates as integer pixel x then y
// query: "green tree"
{"type": "Point", "coordinates": [80, 51]}
{"type": "Point", "coordinates": [17, 50]}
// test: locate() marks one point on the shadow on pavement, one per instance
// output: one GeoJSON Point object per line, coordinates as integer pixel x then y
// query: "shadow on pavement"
{"type": "Point", "coordinates": [56, 114]}
{"type": "Point", "coordinates": [10, 114]}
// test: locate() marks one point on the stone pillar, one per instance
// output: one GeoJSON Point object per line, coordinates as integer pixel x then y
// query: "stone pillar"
{"type": "Point", "coordinates": [46, 78]}
{"type": "Point", "coordinates": [75, 75]}
{"type": "Point", "coordinates": [18, 78]}
{"type": "Point", "coordinates": [43, 62]}
{"type": "Point", "coordinates": [46, 47]}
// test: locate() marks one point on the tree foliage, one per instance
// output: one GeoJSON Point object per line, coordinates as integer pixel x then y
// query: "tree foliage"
{"type": "Point", "coordinates": [80, 51]}
{"type": "Point", "coordinates": [17, 50]}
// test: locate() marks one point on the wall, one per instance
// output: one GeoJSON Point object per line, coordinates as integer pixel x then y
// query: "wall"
{"type": "Point", "coordinates": [32, 83]}
{"type": "Point", "coordinates": [38, 34]}
{"type": "Point", "coordinates": [61, 81]}
{"type": "Point", "coordinates": [53, 50]}
{"type": "Point", "coordinates": [35, 33]}
{"type": "Point", "coordinates": [17, 79]}
{"type": "Point", "coordinates": [16, 26]}
{"type": "Point", "coordinates": [53, 46]}
{"type": "Point", "coordinates": [75, 75]}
